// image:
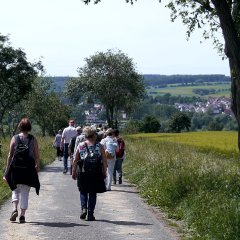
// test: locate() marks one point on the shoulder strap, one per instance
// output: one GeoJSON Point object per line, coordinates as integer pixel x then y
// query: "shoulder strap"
{"type": "Point", "coordinates": [18, 139]}
{"type": "Point", "coordinates": [88, 148]}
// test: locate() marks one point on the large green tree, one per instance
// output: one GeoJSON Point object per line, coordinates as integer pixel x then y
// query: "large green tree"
{"type": "Point", "coordinates": [179, 121]}
{"type": "Point", "coordinates": [16, 76]}
{"type": "Point", "coordinates": [111, 78]}
{"type": "Point", "coordinates": [215, 15]}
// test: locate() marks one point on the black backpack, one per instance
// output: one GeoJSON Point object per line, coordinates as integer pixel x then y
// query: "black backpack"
{"type": "Point", "coordinates": [91, 162]}
{"type": "Point", "coordinates": [21, 155]}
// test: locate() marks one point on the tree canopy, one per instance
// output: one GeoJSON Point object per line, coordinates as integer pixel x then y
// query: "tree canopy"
{"type": "Point", "coordinates": [111, 78]}
{"type": "Point", "coordinates": [179, 121]}
{"type": "Point", "coordinates": [16, 75]}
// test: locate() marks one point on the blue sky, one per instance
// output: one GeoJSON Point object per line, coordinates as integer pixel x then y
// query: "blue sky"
{"type": "Point", "coordinates": [65, 32]}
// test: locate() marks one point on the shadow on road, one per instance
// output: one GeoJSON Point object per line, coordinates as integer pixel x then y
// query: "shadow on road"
{"type": "Point", "coordinates": [126, 223]}
{"type": "Point", "coordinates": [126, 191]}
{"type": "Point", "coordinates": [53, 169]}
{"type": "Point", "coordinates": [57, 224]}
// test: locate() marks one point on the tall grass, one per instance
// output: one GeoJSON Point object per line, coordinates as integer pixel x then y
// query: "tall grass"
{"type": "Point", "coordinates": [201, 188]}
{"type": "Point", "coordinates": [46, 152]}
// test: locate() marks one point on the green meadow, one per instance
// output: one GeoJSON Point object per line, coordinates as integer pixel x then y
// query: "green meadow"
{"type": "Point", "coordinates": [46, 152]}
{"type": "Point", "coordinates": [193, 177]}
{"type": "Point", "coordinates": [176, 89]}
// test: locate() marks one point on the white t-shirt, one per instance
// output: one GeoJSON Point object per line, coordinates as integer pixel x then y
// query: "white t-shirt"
{"type": "Point", "coordinates": [110, 145]}
{"type": "Point", "coordinates": [68, 133]}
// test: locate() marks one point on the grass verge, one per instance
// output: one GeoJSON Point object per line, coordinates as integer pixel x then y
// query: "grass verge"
{"type": "Point", "coordinates": [201, 188]}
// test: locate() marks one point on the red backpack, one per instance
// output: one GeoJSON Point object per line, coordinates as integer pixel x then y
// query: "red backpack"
{"type": "Point", "coordinates": [120, 149]}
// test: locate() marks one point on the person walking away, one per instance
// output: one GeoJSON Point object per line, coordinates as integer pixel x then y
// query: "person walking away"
{"type": "Point", "coordinates": [57, 145]}
{"type": "Point", "coordinates": [80, 138]}
{"type": "Point", "coordinates": [110, 146]}
{"type": "Point", "coordinates": [89, 168]}
{"type": "Point", "coordinates": [68, 133]}
{"type": "Point", "coordinates": [71, 147]}
{"type": "Point", "coordinates": [120, 155]}
{"type": "Point", "coordinates": [22, 168]}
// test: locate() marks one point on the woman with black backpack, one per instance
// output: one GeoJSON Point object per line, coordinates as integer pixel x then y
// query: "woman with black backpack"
{"type": "Point", "coordinates": [22, 168]}
{"type": "Point", "coordinates": [89, 168]}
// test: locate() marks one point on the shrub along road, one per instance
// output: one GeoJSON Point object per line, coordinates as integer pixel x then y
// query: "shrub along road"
{"type": "Point", "coordinates": [54, 214]}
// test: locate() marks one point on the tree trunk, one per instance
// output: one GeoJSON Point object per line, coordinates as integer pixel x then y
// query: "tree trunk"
{"type": "Point", "coordinates": [111, 117]}
{"type": "Point", "coordinates": [2, 130]}
{"type": "Point", "coordinates": [232, 50]}
{"type": "Point", "coordinates": [108, 117]}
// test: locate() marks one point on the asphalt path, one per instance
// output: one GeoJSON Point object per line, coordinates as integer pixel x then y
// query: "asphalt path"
{"type": "Point", "coordinates": [120, 214]}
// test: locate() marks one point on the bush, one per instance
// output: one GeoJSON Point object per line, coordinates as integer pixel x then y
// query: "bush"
{"type": "Point", "coordinates": [150, 125]}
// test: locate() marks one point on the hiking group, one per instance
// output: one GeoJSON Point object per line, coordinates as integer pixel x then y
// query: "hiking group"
{"type": "Point", "coordinates": [95, 155]}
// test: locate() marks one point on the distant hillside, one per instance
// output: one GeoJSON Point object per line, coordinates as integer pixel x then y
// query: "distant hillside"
{"type": "Point", "coordinates": [59, 82]}
{"type": "Point", "coordinates": [158, 80]}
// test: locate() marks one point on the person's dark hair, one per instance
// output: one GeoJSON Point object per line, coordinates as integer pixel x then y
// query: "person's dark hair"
{"type": "Point", "coordinates": [25, 125]}
{"type": "Point", "coordinates": [116, 132]}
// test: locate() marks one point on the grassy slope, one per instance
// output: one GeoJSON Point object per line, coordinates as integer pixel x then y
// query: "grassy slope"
{"type": "Point", "coordinates": [200, 187]}
{"type": "Point", "coordinates": [187, 90]}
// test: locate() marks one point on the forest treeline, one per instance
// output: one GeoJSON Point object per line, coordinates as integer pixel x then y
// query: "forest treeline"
{"type": "Point", "coordinates": [158, 80]}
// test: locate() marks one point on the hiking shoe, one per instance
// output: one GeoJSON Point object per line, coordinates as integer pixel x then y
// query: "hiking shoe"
{"type": "Point", "coordinates": [14, 215]}
{"type": "Point", "coordinates": [83, 213]}
{"type": "Point", "coordinates": [22, 219]}
{"type": "Point", "coordinates": [90, 217]}
{"type": "Point", "coordinates": [120, 180]}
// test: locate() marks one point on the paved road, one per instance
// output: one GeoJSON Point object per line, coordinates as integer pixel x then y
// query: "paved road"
{"type": "Point", "coordinates": [120, 214]}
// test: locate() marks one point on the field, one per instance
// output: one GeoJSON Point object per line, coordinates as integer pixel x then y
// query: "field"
{"type": "Point", "coordinates": [176, 89]}
{"type": "Point", "coordinates": [193, 177]}
{"type": "Point", "coordinates": [217, 141]}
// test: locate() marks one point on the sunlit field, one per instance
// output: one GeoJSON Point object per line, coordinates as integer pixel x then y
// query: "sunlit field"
{"type": "Point", "coordinates": [175, 90]}
{"type": "Point", "coordinates": [220, 141]}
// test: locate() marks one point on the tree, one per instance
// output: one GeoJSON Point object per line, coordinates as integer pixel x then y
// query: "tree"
{"type": "Point", "coordinates": [217, 15]}
{"type": "Point", "coordinates": [179, 121]}
{"type": "Point", "coordinates": [150, 124]}
{"type": "Point", "coordinates": [45, 107]}
{"type": "Point", "coordinates": [112, 79]}
{"type": "Point", "coordinates": [16, 76]}
{"type": "Point", "coordinates": [164, 111]}
{"type": "Point", "coordinates": [133, 126]}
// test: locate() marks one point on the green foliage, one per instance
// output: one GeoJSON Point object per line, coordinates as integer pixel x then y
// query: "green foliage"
{"type": "Point", "coordinates": [45, 107]}
{"type": "Point", "coordinates": [133, 126]}
{"type": "Point", "coordinates": [16, 76]}
{"type": "Point", "coordinates": [150, 124]}
{"type": "Point", "coordinates": [112, 79]}
{"type": "Point", "coordinates": [200, 188]}
{"type": "Point", "coordinates": [179, 121]}
{"type": "Point", "coordinates": [207, 121]}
